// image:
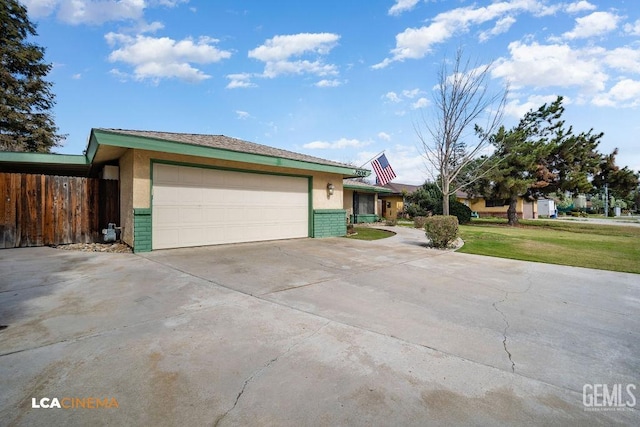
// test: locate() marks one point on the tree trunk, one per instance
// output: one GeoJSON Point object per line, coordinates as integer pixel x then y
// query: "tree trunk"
{"type": "Point", "coordinates": [445, 198]}
{"type": "Point", "coordinates": [512, 215]}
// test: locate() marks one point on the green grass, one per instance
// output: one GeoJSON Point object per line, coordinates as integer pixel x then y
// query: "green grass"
{"type": "Point", "coordinates": [367, 233]}
{"type": "Point", "coordinates": [580, 244]}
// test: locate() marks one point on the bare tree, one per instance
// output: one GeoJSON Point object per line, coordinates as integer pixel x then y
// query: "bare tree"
{"type": "Point", "coordinates": [461, 98]}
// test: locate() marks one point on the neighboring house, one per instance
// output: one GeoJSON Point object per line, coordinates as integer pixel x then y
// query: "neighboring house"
{"type": "Point", "coordinates": [360, 200]}
{"type": "Point", "coordinates": [393, 202]}
{"type": "Point", "coordinates": [525, 208]}
{"type": "Point", "coordinates": [179, 190]}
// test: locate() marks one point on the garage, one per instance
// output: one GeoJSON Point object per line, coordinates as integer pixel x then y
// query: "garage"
{"type": "Point", "coordinates": [197, 206]}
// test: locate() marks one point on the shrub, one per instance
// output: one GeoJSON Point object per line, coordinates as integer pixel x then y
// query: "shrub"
{"type": "Point", "coordinates": [391, 222]}
{"type": "Point", "coordinates": [418, 221]}
{"type": "Point", "coordinates": [460, 210]}
{"type": "Point", "coordinates": [441, 230]}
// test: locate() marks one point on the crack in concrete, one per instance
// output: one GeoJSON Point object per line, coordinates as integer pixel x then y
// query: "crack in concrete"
{"type": "Point", "coordinates": [266, 366]}
{"type": "Point", "coordinates": [504, 332]}
{"type": "Point", "coordinates": [506, 321]}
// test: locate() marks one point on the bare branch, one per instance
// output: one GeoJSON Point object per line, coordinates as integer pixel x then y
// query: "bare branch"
{"type": "Point", "coordinates": [461, 99]}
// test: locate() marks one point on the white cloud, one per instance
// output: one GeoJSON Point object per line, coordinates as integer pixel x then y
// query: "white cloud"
{"type": "Point", "coordinates": [554, 65]}
{"type": "Point", "coordinates": [277, 54]}
{"type": "Point", "coordinates": [411, 93]}
{"type": "Point", "coordinates": [242, 115]}
{"type": "Point", "coordinates": [384, 136]}
{"type": "Point", "coordinates": [94, 11]}
{"type": "Point", "coordinates": [579, 6]}
{"type": "Point", "coordinates": [392, 97]}
{"type": "Point", "coordinates": [625, 93]}
{"type": "Point", "coordinates": [40, 8]}
{"type": "Point", "coordinates": [328, 83]}
{"type": "Point", "coordinates": [415, 43]}
{"type": "Point", "coordinates": [401, 6]}
{"type": "Point", "coordinates": [516, 109]}
{"type": "Point", "coordinates": [407, 162]}
{"type": "Point", "coordinates": [158, 58]}
{"type": "Point", "coordinates": [77, 76]}
{"type": "Point", "coordinates": [595, 24]}
{"type": "Point", "coordinates": [87, 11]}
{"type": "Point", "coordinates": [240, 80]}
{"type": "Point", "coordinates": [281, 48]}
{"type": "Point", "coordinates": [502, 26]}
{"type": "Point", "coordinates": [154, 26]}
{"type": "Point", "coordinates": [420, 103]}
{"type": "Point", "coordinates": [623, 59]}
{"type": "Point", "coordinates": [633, 29]}
{"type": "Point", "coordinates": [340, 143]}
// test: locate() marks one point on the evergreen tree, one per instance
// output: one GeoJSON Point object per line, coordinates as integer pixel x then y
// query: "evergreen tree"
{"type": "Point", "coordinates": [26, 100]}
{"type": "Point", "coordinates": [540, 156]}
{"type": "Point", "coordinates": [622, 182]}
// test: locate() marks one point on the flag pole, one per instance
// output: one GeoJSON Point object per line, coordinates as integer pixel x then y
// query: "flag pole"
{"type": "Point", "coordinates": [374, 157]}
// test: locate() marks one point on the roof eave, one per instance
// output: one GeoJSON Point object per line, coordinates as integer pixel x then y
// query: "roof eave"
{"type": "Point", "coordinates": [103, 137]}
{"type": "Point", "coordinates": [370, 189]}
{"type": "Point", "coordinates": [43, 158]}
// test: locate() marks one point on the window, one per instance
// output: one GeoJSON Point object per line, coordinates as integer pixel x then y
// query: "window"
{"type": "Point", "coordinates": [492, 203]}
{"type": "Point", "coordinates": [364, 203]}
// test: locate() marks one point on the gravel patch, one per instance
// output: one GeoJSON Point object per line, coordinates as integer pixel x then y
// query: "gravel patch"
{"type": "Point", "coordinates": [120, 248]}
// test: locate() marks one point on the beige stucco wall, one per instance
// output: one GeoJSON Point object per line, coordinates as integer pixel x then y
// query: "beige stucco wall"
{"type": "Point", "coordinates": [126, 197]}
{"type": "Point", "coordinates": [139, 163]}
{"type": "Point", "coordinates": [396, 205]}
{"type": "Point", "coordinates": [347, 202]}
{"type": "Point", "coordinates": [478, 205]}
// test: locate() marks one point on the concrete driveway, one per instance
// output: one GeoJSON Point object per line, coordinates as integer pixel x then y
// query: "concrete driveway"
{"type": "Point", "coordinates": [315, 332]}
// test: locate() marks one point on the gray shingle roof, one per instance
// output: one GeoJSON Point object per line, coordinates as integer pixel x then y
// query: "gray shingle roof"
{"type": "Point", "coordinates": [399, 188]}
{"type": "Point", "coordinates": [228, 143]}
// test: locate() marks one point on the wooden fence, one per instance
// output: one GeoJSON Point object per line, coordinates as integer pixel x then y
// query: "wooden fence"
{"type": "Point", "coordinates": [40, 210]}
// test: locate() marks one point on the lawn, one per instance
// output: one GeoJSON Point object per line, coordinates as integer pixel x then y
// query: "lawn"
{"type": "Point", "coordinates": [605, 247]}
{"type": "Point", "coordinates": [367, 233]}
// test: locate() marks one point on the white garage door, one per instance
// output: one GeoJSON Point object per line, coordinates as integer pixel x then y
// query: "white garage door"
{"type": "Point", "coordinates": [198, 206]}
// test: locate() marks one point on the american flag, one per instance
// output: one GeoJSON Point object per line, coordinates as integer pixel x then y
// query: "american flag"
{"type": "Point", "coordinates": [383, 170]}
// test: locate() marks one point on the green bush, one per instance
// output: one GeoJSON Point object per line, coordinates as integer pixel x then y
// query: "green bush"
{"type": "Point", "coordinates": [418, 221]}
{"type": "Point", "coordinates": [460, 210]}
{"type": "Point", "coordinates": [441, 230]}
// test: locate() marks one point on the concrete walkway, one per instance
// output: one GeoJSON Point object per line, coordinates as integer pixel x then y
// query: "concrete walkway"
{"type": "Point", "coordinates": [313, 332]}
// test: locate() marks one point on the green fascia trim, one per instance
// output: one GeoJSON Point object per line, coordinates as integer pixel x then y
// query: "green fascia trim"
{"type": "Point", "coordinates": [92, 147]}
{"type": "Point", "coordinates": [371, 189]}
{"type": "Point", "coordinates": [46, 158]}
{"type": "Point", "coordinates": [101, 137]}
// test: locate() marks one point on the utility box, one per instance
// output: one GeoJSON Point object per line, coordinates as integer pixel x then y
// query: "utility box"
{"type": "Point", "coordinates": [110, 172]}
{"type": "Point", "coordinates": [547, 207]}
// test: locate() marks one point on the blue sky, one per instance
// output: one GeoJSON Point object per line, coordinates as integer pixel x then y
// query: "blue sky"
{"type": "Point", "coordinates": [338, 79]}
